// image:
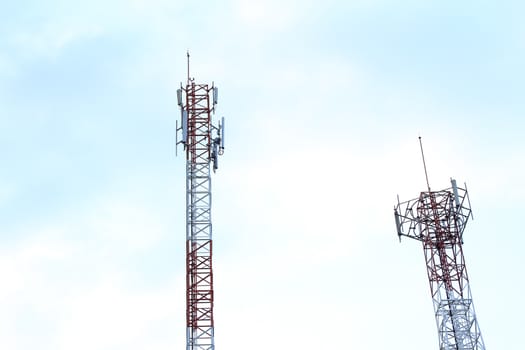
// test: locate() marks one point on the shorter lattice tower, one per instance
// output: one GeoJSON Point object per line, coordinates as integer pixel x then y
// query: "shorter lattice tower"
{"type": "Point", "coordinates": [438, 219]}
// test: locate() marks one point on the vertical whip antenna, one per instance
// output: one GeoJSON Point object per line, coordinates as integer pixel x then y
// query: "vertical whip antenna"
{"type": "Point", "coordinates": [188, 62]}
{"type": "Point", "coordinates": [424, 164]}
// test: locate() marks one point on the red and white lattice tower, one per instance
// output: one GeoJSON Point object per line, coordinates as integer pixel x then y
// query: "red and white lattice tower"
{"type": "Point", "coordinates": [203, 143]}
{"type": "Point", "coordinates": [438, 219]}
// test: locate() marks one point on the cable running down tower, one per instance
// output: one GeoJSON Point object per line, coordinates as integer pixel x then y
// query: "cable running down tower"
{"type": "Point", "coordinates": [203, 143]}
{"type": "Point", "coordinates": [438, 219]}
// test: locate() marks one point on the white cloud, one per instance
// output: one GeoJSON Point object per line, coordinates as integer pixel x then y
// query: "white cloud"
{"type": "Point", "coordinates": [52, 38]}
{"type": "Point", "coordinates": [271, 15]}
{"type": "Point", "coordinates": [75, 289]}
{"type": "Point", "coordinates": [29, 293]}
{"type": "Point", "coordinates": [126, 223]}
{"type": "Point", "coordinates": [109, 316]}
{"type": "Point", "coordinates": [23, 264]}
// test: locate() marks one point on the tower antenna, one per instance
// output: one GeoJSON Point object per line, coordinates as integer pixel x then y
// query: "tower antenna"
{"type": "Point", "coordinates": [424, 164]}
{"type": "Point", "coordinates": [188, 61]}
{"type": "Point", "coordinates": [203, 142]}
{"type": "Point", "coordinates": [437, 219]}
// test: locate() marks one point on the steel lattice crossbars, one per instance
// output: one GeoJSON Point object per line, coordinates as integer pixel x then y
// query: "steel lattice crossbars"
{"type": "Point", "coordinates": [199, 273]}
{"type": "Point", "coordinates": [438, 219]}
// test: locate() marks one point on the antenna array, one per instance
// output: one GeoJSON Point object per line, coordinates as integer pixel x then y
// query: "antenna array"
{"type": "Point", "coordinates": [438, 219]}
{"type": "Point", "coordinates": [203, 143]}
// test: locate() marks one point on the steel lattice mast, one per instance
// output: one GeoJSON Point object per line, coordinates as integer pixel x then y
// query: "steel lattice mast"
{"type": "Point", "coordinates": [203, 143]}
{"type": "Point", "coordinates": [438, 219]}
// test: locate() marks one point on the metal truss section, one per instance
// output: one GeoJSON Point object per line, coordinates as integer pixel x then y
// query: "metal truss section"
{"type": "Point", "coordinates": [198, 145]}
{"type": "Point", "coordinates": [198, 202]}
{"type": "Point", "coordinates": [199, 272]}
{"type": "Point", "coordinates": [457, 325]}
{"type": "Point", "coordinates": [438, 219]}
{"type": "Point", "coordinates": [200, 328]}
{"type": "Point", "coordinates": [454, 204]}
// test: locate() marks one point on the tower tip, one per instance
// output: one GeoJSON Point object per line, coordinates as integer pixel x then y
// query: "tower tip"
{"type": "Point", "coordinates": [188, 61]}
{"type": "Point", "coordinates": [424, 163]}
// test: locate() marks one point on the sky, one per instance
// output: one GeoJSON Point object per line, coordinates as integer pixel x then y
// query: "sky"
{"type": "Point", "coordinates": [324, 102]}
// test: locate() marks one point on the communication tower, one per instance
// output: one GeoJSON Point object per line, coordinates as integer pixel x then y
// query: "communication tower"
{"type": "Point", "coordinates": [438, 219]}
{"type": "Point", "coordinates": [203, 143]}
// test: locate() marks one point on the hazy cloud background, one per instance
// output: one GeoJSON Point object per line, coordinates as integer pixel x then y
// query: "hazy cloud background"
{"type": "Point", "coordinates": [323, 101]}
